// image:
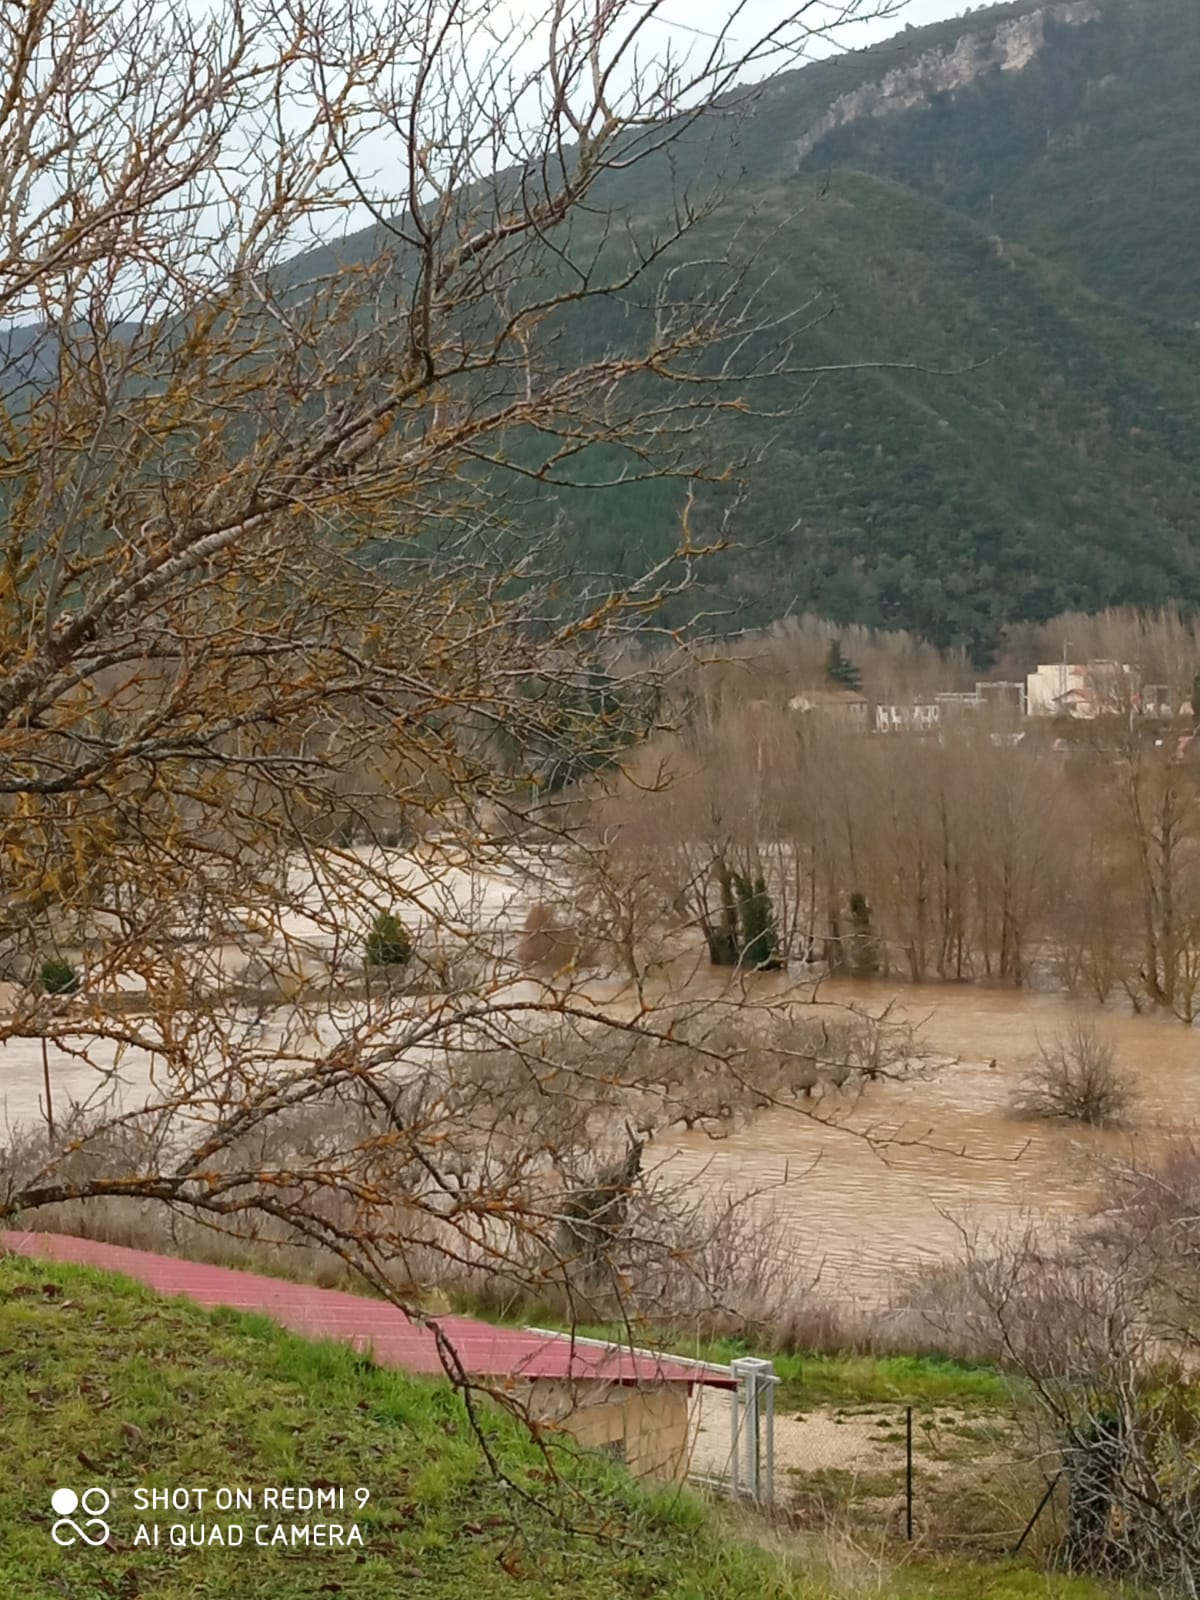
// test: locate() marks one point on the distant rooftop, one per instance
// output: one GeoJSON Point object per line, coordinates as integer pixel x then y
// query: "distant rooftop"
{"type": "Point", "coordinates": [826, 697]}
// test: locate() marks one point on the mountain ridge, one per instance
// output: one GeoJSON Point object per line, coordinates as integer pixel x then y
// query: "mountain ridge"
{"type": "Point", "coordinates": [985, 234]}
{"type": "Point", "coordinates": [1061, 473]}
{"type": "Point", "coordinates": [1010, 45]}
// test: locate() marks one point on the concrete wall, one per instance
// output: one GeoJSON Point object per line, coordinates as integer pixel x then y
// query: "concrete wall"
{"type": "Point", "coordinates": [649, 1423]}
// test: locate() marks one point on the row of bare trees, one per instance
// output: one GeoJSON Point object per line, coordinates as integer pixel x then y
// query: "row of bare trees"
{"type": "Point", "coordinates": [1160, 647]}
{"type": "Point", "coordinates": [961, 858]}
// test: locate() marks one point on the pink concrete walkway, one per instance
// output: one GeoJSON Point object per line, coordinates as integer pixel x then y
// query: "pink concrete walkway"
{"type": "Point", "coordinates": [485, 1352]}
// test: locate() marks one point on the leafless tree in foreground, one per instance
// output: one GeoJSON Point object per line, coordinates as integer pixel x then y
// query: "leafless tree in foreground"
{"type": "Point", "coordinates": [269, 608]}
{"type": "Point", "coordinates": [1098, 1322]}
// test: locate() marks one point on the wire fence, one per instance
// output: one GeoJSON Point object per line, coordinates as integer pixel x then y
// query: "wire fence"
{"type": "Point", "coordinates": [939, 1476]}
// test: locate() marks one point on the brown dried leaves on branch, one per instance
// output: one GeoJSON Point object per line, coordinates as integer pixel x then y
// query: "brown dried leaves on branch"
{"type": "Point", "coordinates": [267, 607]}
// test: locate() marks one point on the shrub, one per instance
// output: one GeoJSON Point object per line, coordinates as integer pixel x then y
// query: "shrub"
{"type": "Point", "coordinates": [58, 977]}
{"type": "Point", "coordinates": [1076, 1080]}
{"type": "Point", "coordinates": [759, 933]}
{"type": "Point", "coordinates": [545, 943]}
{"type": "Point", "coordinates": [388, 944]}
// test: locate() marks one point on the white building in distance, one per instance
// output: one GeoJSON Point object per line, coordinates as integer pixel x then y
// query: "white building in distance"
{"type": "Point", "coordinates": [1066, 689]}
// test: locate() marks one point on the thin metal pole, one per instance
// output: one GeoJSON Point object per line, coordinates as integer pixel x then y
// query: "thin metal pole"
{"type": "Point", "coordinates": [735, 1443]}
{"type": "Point", "coordinates": [908, 1473]}
{"type": "Point", "coordinates": [1016, 1550]}
{"type": "Point", "coordinates": [46, 1081]}
{"type": "Point", "coordinates": [770, 1475]}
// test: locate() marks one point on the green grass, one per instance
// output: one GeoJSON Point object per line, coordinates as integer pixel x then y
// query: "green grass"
{"type": "Point", "coordinates": [104, 1383]}
{"type": "Point", "coordinates": [919, 1381]}
{"type": "Point", "coordinates": [808, 1381]}
{"type": "Point", "coordinates": [996, 1581]}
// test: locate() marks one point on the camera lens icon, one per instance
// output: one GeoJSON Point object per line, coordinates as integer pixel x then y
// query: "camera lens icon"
{"type": "Point", "coordinates": [93, 1502]}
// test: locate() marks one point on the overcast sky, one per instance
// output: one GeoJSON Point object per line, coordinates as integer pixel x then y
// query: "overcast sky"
{"type": "Point", "coordinates": [915, 13]}
{"type": "Point", "coordinates": [689, 26]}
{"type": "Point", "coordinates": [844, 36]}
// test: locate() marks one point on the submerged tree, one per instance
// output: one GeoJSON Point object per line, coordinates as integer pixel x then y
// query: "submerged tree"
{"type": "Point", "coordinates": [864, 950]}
{"type": "Point", "coordinates": [758, 943]}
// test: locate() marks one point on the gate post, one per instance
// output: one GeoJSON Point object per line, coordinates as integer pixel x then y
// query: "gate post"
{"type": "Point", "coordinates": [752, 1468]}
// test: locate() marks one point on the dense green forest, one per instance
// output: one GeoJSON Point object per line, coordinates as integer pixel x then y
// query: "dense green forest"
{"type": "Point", "coordinates": [997, 286]}
{"type": "Point", "coordinates": [1087, 154]}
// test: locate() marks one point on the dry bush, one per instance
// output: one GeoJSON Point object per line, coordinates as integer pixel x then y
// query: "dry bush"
{"type": "Point", "coordinates": [1039, 1297]}
{"type": "Point", "coordinates": [805, 1322]}
{"type": "Point", "coordinates": [1076, 1079]}
{"type": "Point", "coordinates": [671, 1263]}
{"type": "Point", "coordinates": [546, 945]}
{"type": "Point", "coordinates": [1160, 1204]}
{"type": "Point", "coordinates": [1082, 1316]}
{"type": "Point", "coordinates": [97, 1148]}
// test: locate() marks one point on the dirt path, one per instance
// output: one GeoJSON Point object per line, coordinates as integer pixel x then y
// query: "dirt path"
{"type": "Point", "coordinates": [864, 1442]}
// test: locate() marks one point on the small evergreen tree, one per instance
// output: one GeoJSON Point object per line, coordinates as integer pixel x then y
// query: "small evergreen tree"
{"type": "Point", "coordinates": [839, 670]}
{"type": "Point", "coordinates": [865, 950]}
{"type": "Point", "coordinates": [758, 943]}
{"type": "Point", "coordinates": [723, 937]}
{"type": "Point", "coordinates": [388, 943]}
{"type": "Point", "coordinates": [746, 933]}
{"type": "Point", "coordinates": [58, 977]}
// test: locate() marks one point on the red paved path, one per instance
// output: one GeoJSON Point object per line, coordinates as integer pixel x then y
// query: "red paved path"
{"type": "Point", "coordinates": [484, 1351]}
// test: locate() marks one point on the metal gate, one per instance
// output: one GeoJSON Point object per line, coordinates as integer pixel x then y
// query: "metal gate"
{"type": "Point", "coordinates": [752, 1430]}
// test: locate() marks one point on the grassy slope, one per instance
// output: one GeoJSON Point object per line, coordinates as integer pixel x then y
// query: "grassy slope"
{"type": "Point", "coordinates": [225, 1399]}
{"type": "Point", "coordinates": [104, 1383]}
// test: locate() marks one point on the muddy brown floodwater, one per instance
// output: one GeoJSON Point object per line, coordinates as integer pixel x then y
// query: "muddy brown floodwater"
{"type": "Point", "coordinates": [944, 1152]}
{"type": "Point", "coordinates": [952, 1156]}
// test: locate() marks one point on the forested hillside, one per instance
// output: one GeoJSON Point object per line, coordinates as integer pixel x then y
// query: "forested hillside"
{"type": "Point", "coordinates": [985, 233]}
{"type": "Point", "coordinates": [1023, 448]}
{"type": "Point", "coordinates": [1087, 153]}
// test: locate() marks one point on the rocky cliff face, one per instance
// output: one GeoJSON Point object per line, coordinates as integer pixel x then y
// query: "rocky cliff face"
{"type": "Point", "coordinates": [1008, 46]}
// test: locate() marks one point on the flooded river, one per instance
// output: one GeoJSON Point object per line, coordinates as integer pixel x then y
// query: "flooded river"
{"type": "Point", "coordinates": [951, 1155]}
{"type": "Point", "coordinates": [943, 1151]}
